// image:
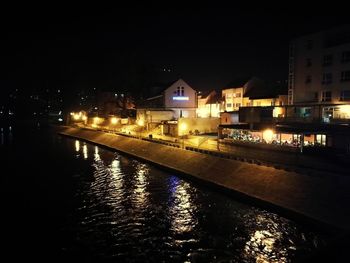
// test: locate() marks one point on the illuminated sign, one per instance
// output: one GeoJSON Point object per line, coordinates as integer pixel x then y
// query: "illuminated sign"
{"type": "Point", "coordinates": [180, 98]}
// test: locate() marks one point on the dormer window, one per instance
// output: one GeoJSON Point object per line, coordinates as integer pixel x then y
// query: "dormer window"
{"type": "Point", "coordinates": [180, 91]}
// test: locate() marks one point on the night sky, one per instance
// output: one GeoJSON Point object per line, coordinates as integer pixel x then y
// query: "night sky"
{"type": "Point", "coordinates": [111, 47]}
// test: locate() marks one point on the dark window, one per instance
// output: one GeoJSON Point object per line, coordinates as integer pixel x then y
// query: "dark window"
{"type": "Point", "coordinates": [345, 95]}
{"type": "Point", "coordinates": [228, 105]}
{"type": "Point", "coordinates": [345, 56]}
{"type": "Point", "coordinates": [308, 79]}
{"type": "Point", "coordinates": [326, 95]}
{"type": "Point", "coordinates": [308, 62]}
{"type": "Point", "coordinates": [316, 96]}
{"type": "Point", "coordinates": [327, 60]}
{"type": "Point", "coordinates": [345, 76]}
{"type": "Point", "coordinates": [182, 91]}
{"type": "Point", "coordinates": [327, 78]}
{"type": "Point", "coordinates": [309, 44]}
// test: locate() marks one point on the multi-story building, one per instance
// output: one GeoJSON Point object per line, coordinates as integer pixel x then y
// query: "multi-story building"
{"type": "Point", "coordinates": [254, 92]}
{"type": "Point", "coordinates": [319, 68]}
{"type": "Point", "coordinates": [209, 104]}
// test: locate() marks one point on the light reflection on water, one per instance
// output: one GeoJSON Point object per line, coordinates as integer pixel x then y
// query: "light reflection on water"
{"type": "Point", "coordinates": [130, 210]}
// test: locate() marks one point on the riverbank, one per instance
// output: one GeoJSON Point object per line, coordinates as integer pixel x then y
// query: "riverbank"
{"type": "Point", "coordinates": [319, 199]}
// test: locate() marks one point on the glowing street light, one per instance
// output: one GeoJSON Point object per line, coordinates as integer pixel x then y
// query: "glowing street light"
{"type": "Point", "coordinates": [268, 135]}
{"type": "Point", "coordinates": [183, 128]}
{"type": "Point", "coordinates": [114, 120]}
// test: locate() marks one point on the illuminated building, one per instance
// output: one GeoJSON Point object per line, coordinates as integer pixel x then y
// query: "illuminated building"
{"type": "Point", "coordinates": [319, 68]}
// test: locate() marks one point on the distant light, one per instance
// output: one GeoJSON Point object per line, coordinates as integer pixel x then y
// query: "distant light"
{"type": "Point", "coordinates": [141, 122]}
{"type": "Point", "coordinates": [58, 91]}
{"type": "Point", "coordinates": [60, 119]}
{"type": "Point", "coordinates": [268, 135]}
{"type": "Point", "coordinates": [180, 98]}
{"type": "Point", "coordinates": [95, 108]}
{"type": "Point", "coordinates": [114, 120]}
{"type": "Point", "coordinates": [60, 112]}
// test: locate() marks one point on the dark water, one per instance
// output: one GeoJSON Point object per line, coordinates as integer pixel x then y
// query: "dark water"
{"type": "Point", "coordinates": [66, 199]}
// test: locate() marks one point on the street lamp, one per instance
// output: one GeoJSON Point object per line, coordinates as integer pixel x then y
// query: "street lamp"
{"type": "Point", "coordinates": [141, 123]}
{"type": "Point", "coordinates": [183, 128]}
{"type": "Point", "coordinates": [114, 121]}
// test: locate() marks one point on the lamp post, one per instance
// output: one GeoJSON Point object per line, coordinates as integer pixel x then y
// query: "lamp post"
{"type": "Point", "coordinates": [140, 123]}
{"type": "Point", "coordinates": [114, 121]}
{"type": "Point", "coordinates": [183, 127]}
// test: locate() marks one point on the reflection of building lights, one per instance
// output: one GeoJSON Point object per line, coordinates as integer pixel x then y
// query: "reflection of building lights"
{"type": "Point", "coordinates": [268, 135]}
{"type": "Point", "coordinates": [85, 151]}
{"type": "Point", "coordinates": [76, 117]}
{"type": "Point", "coordinates": [114, 120]}
{"type": "Point", "coordinates": [77, 146]}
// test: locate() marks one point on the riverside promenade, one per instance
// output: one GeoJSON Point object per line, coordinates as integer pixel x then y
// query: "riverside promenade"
{"type": "Point", "coordinates": [318, 199]}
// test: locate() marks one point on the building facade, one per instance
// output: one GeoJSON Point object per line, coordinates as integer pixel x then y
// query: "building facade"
{"type": "Point", "coordinates": [319, 68]}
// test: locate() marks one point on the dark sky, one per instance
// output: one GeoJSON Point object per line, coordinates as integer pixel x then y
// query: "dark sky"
{"type": "Point", "coordinates": [207, 44]}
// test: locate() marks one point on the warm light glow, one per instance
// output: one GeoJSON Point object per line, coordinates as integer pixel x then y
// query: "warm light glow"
{"type": "Point", "coordinates": [345, 109]}
{"type": "Point", "coordinates": [140, 122]}
{"type": "Point", "coordinates": [268, 135]}
{"type": "Point", "coordinates": [180, 98]}
{"type": "Point", "coordinates": [72, 113]}
{"type": "Point", "coordinates": [114, 120]}
{"type": "Point", "coordinates": [96, 120]}
{"type": "Point", "coordinates": [84, 118]}
{"type": "Point", "coordinates": [76, 117]}
{"type": "Point", "coordinates": [183, 127]}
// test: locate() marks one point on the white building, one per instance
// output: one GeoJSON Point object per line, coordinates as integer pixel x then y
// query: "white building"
{"type": "Point", "coordinates": [319, 68]}
{"type": "Point", "coordinates": [177, 100]}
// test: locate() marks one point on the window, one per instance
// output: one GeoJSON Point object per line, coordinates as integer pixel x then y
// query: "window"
{"type": "Point", "coordinates": [229, 105]}
{"type": "Point", "coordinates": [327, 78]}
{"type": "Point", "coordinates": [326, 96]}
{"type": "Point", "coordinates": [238, 95]}
{"type": "Point", "coordinates": [180, 91]}
{"type": "Point", "coordinates": [238, 105]}
{"type": "Point", "coordinates": [309, 44]}
{"type": "Point", "coordinates": [308, 79]}
{"type": "Point", "coordinates": [327, 60]}
{"type": "Point", "coordinates": [345, 56]}
{"type": "Point", "coordinates": [345, 95]}
{"type": "Point", "coordinates": [345, 76]}
{"type": "Point", "coordinates": [258, 103]}
{"type": "Point", "coordinates": [308, 62]}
